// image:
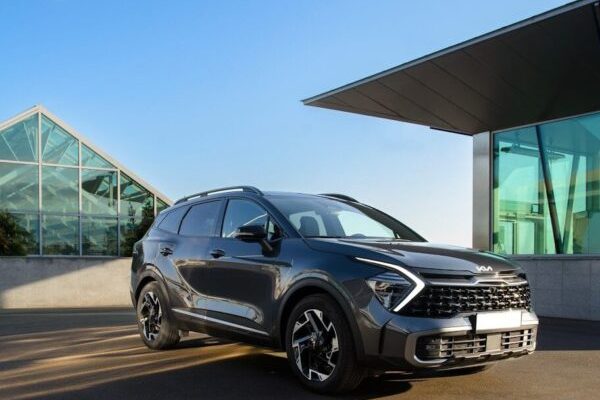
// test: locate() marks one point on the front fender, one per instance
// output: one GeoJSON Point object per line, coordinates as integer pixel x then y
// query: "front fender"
{"type": "Point", "coordinates": [319, 282]}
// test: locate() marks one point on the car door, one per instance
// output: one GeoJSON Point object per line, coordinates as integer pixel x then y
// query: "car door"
{"type": "Point", "coordinates": [191, 257]}
{"type": "Point", "coordinates": [165, 240]}
{"type": "Point", "coordinates": [243, 275]}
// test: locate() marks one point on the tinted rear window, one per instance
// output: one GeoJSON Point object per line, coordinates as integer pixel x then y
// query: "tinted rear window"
{"type": "Point", "coordinates": [201, 220]}
{"type": "Point", "coordinates": [170, 222]}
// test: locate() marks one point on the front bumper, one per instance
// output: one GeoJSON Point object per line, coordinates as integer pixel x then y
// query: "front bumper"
{"type": "Point", "coordinates": [444, 343]}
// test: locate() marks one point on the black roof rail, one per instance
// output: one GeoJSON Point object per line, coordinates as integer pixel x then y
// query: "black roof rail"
{"type": "Point", "coordinates": [340, 196]}
{"type": "Point", "coordinates": [250, 189]}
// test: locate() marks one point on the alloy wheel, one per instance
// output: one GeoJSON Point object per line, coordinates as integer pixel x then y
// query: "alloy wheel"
{"type": "Point", "coordinates": [315, 345]}
{"type": "Point", "coordinates": [151, 316]}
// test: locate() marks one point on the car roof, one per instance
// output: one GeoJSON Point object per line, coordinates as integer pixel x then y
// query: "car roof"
{"type": "Point", "coordinates": [240, 193]}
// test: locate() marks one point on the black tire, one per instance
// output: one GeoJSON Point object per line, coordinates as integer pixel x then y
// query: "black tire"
{"type": "Point", "coordinates": [316, 355]}
{"type": "Point", "coordinates": [155, 325]}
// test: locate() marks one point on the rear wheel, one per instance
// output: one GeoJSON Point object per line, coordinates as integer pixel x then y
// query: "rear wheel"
{"type": "Point", "coordinates": [320, 347]}
{"type": "Point", "coordinates": [155, 325]}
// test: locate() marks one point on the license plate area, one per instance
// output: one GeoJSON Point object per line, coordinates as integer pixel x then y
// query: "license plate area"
{"type": "Point", "coordinates": [497, 321]}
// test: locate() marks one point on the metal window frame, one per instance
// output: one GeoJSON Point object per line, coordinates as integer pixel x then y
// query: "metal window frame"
{"type": "Point", "coordinates": [41, 111]}
{"type": "Point", "coordinates": [39, 160]}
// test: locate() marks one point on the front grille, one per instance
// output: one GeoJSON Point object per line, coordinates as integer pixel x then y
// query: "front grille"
{"type": "Point", "coordinates": [436, 347]}
{"type": "Point", "coordinates": [517, 339]}
{"type": "Point", "coordinates": [473, 345]}
{"type": "Point", "coordinates": [446, 301]}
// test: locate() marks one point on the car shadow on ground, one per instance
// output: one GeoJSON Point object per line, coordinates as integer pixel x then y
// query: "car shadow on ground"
{"type": "Point", "coordinates": [111, 363]}
{"type": "Point", "coordinates": [557, 334]}
{"type": "Point", "coordinates": [102, 357]}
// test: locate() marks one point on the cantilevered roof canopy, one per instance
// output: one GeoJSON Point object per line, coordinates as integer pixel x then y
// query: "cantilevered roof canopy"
{"type": "Point", "coordinates": [542, 68]}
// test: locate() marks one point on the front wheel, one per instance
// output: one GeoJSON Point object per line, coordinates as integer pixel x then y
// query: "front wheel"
{"type": "Point", "coordinates": [320, 347]}
{"type": "Point", "coordinates": [156, 328]}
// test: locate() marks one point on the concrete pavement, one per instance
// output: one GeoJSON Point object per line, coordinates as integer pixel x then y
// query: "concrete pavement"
{"type": "Point", "coordinates": [98, 355]}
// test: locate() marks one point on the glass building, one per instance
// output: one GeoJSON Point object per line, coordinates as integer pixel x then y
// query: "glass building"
{"type": "Point", "coordinates": [546, 188]}
{"type": "Point", "coordinates": [61, 196]}
{"type": "Point", "coordinates": [529, 96]}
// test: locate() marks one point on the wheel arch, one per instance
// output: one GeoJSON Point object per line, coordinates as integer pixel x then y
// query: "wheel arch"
{"type": "Point", "coordinates": [307, 287]}
{"type": "Point", "coordinates": [151, 274]}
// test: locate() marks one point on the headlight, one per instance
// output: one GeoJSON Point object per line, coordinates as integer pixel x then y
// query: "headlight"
{"type": "Point", "coordinates": [391, 288]}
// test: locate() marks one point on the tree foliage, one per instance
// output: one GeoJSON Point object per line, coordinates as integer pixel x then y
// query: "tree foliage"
{"type": "Point", "coordinates": [135, 229]}
{"type": "Point", "coordinates": [14, 239]}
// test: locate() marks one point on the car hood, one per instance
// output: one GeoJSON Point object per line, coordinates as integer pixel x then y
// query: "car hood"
{"type": "Point", "coordinates": [421, 255]}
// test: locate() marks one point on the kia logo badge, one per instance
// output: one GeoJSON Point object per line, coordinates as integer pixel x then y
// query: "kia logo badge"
{"type": "Point", "coordinates": [484, 268]}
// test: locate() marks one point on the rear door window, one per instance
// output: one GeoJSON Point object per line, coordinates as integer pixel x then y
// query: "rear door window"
{"type": "Point", "coordinates": [201, 220]}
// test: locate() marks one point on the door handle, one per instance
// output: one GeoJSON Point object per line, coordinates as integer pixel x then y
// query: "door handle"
{"type": "Point", "coordinates": [166, 251]}
{"type": "Point", "coordinates": [216, 253]}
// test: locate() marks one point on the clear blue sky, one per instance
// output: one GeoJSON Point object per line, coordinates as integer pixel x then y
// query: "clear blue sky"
{"type": "Point", "coordinates": [192, 95]}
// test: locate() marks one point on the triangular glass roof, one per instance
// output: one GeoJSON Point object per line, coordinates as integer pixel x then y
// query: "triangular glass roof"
{"type": "Point", "coordinates": [18, 142]}
{"type": "Point", "coordinates": [58, 146]}
{"type": "Point", "coordinates": [89, 158]}
{"type": "Point", "coordinates": [20, 139]}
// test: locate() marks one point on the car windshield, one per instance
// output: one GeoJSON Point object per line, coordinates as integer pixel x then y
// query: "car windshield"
{"type": "Point", "coordinates": [320, 217]}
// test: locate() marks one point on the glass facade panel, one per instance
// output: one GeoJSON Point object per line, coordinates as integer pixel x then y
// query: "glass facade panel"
{"type": "Point", "coordinates": [19, 234]}
{"type": "Point", "coordinates": [60, 235]}
{"type": "Point", "coordinates": [547, 188]}
{"type": "Point", "coordinates": [19, 142]}
{"type": "Point", "coordinates": [24, 175]}
{"type": "Point", "coordinates": [131, 230]}
{"type": "Point", "coordinates": [58, 146]}
{"type": "Point", "coordinates": [89, 158]}
{"type": "Point", "coordinates": [99, 191]}
{"type": "Point", "coordinates": [60, 189]}
{"type": "Point", "coordinates": [135, 200]}
{"type": "Point", "coordinates": [18, 187]}
{"type": "Point", "coordinates": [99, 236]}
{"type": "Point", "coordinates": [160, 205]}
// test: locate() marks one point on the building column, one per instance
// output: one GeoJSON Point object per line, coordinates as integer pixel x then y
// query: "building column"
{"type": "Point", "coordinates": [482, 178]}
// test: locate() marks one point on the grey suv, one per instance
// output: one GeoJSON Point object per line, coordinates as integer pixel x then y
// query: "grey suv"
{"type": "Point", "coordinates": [345, 289]}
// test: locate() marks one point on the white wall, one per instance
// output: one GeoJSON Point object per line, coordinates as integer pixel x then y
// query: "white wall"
{"type": "Point", "coordinates": [40, 282]}
{"type": "Point", "coordinates": [565, 287]}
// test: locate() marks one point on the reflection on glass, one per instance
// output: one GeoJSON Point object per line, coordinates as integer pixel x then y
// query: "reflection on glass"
{"type": "Point", "coordinates": [241, 213]}
{"type": "Point", "coordinates": [547, 188]}
{"type": "Point", "coordinates": [18, 186]}
{"type": "Point", "coordinates": [60, 235]}
{"type": "Point", "coordinates": [160, 205]}
{"type": "Point", "coordinates": [99, 236]}
{"type": "Point", "coordinates": [60, 189]}
{"type": "Point", "coordinates": [134, 198]}
{"type": "Point", "coordinates": [132, 229]}
{"type": "Point", "coordinates": [58, 146]}
{"type": "Point", "coordinates": [22, 181]}
{"type": "Point", "coordinates": [19, 234]}
{"type": "Point", "coordinates": [89, 158]}
{"type": "Point", "coordinates": [99, 191]}
{"type": "Point", "coordinates": [19, 142]}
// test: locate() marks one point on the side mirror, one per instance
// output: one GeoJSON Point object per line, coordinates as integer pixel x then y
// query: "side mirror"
{"type": "Point", "coordinates": [251, 233]}
{"type": "Point", "coordinates": [254, 233]}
